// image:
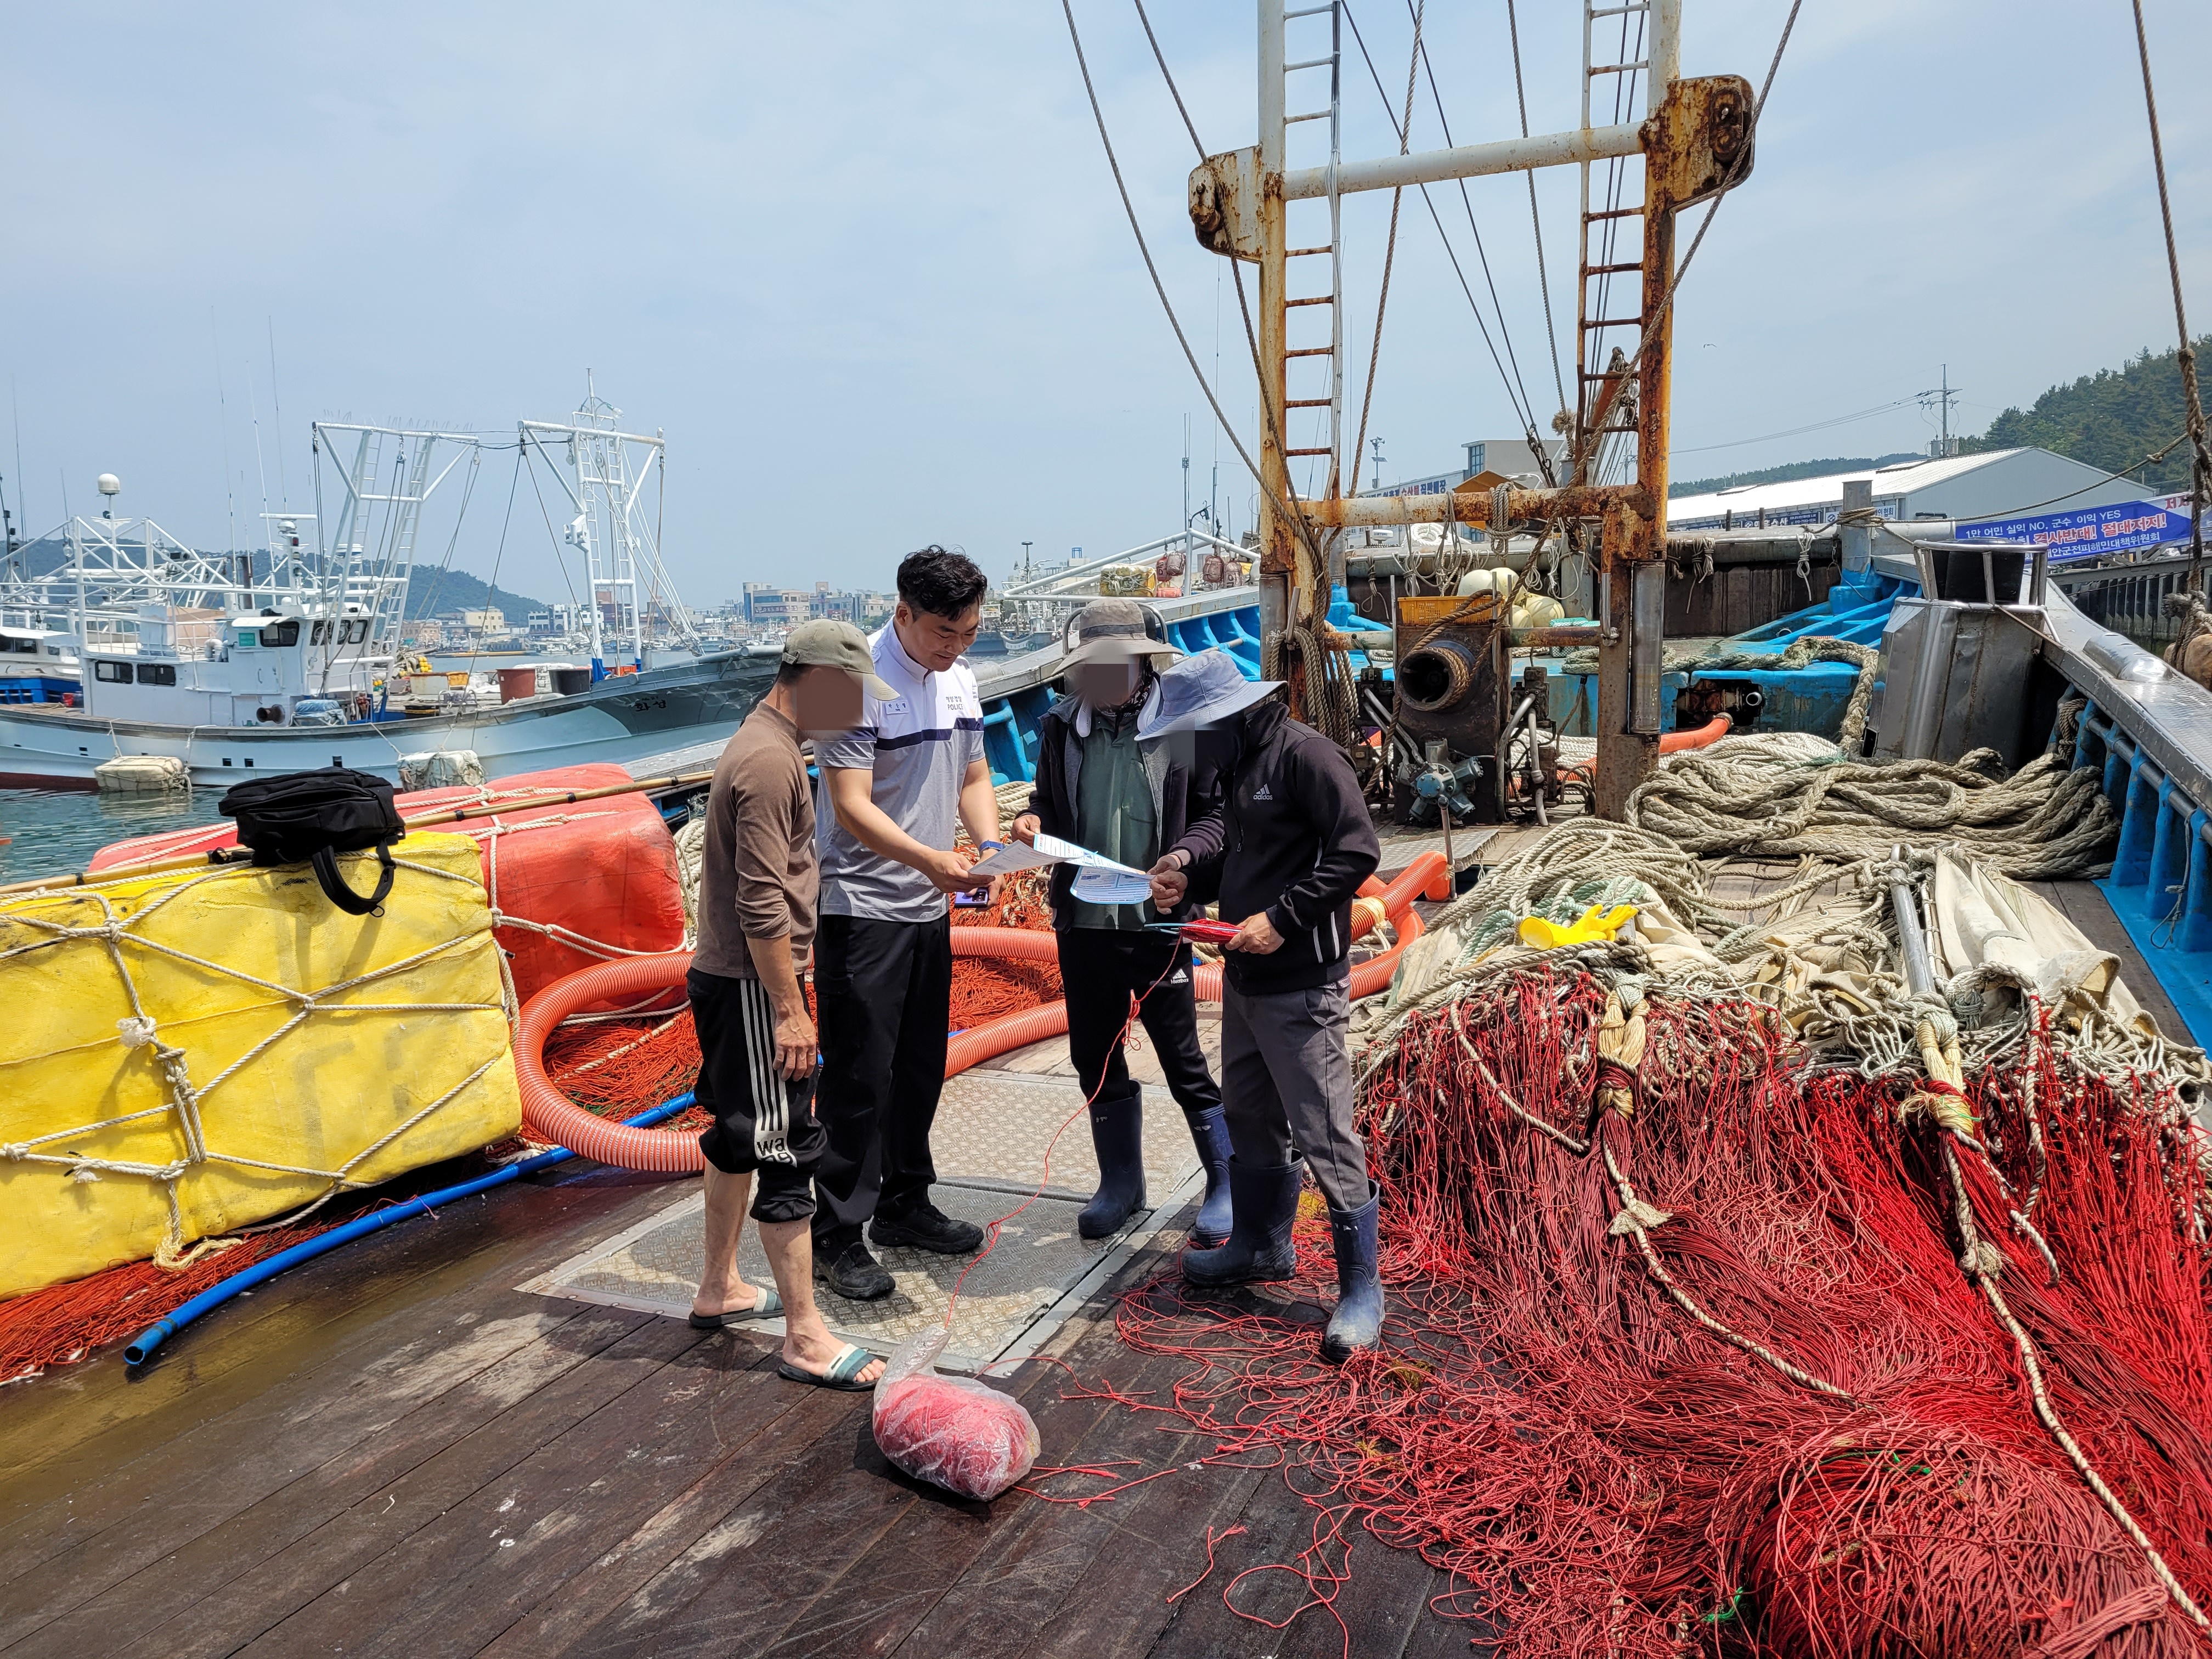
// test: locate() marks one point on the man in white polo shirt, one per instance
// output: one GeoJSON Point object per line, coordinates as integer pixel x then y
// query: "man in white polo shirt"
{"type": "Point", "coordinates": [891, 793]}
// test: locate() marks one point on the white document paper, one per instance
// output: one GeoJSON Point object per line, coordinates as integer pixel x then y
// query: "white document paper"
{"type": "Point", "coordinates": [1119, 885]}
{"type": "Point", "coordinates": [1010, 861]}
{"type": "Point", "coordinates": [1098, 879]}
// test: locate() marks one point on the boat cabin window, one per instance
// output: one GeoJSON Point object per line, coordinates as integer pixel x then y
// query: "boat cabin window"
{"type": "Point", "coordinates": [284, 633]}
{"type": "Point", "coordinates": [320, 635]}
{"type": "Point", "coordinates": [115, 673]}
{"type": "Point", "coordinates": [157, 673]}
{"type": "Point", "coordinates": [353, 632]}
{"type": "Point", "coordinates": [19, 648]}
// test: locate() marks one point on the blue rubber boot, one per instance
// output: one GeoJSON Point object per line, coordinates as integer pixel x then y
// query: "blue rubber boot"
{"type": "Point", "coordinates": [1357, 1320]}
{"type": "Point", "coordinates": [1209, 1129]}
{"type": "Point", "coordinates": [1117, 1135]}
{"type": "Point", "coordinates": [1265, 1201]}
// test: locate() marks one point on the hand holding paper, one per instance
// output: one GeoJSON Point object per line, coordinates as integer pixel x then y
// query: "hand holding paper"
{"type": "Point", "coordinates": [1098, 879]}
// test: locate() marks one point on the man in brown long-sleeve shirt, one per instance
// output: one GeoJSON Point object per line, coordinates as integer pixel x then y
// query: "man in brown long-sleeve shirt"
{"type": "Point", "coordinates": [756, 1042]}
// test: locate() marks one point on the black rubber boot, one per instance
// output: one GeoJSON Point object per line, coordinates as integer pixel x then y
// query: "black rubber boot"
{"type": "Point", "coordinates": [1117, 1135]}
{"type": "Point", "coordinates": [1209, 1130]}
{"type": "Point", "coordinates": [1357, 1320]}
{"type": "Point", "coordinates": [1265, 1202]}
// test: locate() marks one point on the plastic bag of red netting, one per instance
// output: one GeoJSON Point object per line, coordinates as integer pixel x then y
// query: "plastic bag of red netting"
{"type": "Point", "coordinates": [951, 1431]}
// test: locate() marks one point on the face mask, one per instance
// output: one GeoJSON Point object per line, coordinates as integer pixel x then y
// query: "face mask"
{"type": "Point", "coordinates": [1210, 750]}
{"type": "Point", "coordinates": [1219, 747]}
{"type": "Point", "coordinates": [1106, 684]}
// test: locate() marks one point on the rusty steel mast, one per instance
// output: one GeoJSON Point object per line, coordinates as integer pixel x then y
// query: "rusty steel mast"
{"type": "Point", "coordinates": [1694, 139]}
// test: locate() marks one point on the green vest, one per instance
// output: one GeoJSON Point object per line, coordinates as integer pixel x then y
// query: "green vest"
{"type": "Point", "coordinates": [1114, 812]}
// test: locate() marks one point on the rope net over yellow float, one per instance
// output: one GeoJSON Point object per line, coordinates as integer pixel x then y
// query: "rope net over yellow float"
{"type": "Point", "coordinates": [189, 1053]}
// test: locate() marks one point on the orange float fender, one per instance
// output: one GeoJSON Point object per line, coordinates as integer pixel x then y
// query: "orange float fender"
{"type": "Point", "coordinates": [1673, 742]}
{"type": "Point", "coordinates": [551, 1115]}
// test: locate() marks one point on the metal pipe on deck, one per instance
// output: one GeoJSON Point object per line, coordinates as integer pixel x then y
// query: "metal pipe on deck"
{"type": "Point", "coordinates": [1912, 938]}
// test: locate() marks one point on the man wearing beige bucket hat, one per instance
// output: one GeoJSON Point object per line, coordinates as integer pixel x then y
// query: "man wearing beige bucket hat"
{"type": "Point", "coordinates": [1095, 787]}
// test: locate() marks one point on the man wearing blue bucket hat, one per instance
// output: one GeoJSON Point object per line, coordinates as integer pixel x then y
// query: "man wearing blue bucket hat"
{"type": "Point", "coordinates": [1283, 854]}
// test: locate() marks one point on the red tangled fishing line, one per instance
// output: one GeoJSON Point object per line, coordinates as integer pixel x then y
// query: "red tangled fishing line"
{"type": "Point", "coordinates": [1602, 1474]}
{"type": "Point", "coordinates": [952, 1432]}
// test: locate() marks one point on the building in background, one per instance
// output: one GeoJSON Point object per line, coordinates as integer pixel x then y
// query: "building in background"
{"type": "Point", "coordinates": [2031, 495]}
{"type": "Point", "coordinates": [765, 605]}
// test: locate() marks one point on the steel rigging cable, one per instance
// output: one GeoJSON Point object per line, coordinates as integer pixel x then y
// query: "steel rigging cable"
{"type": "Point", "coordinates": [1297, 521]}
{"type": "Point", "coordinates": [1390, 247]}
{"type": "Point", "coordinates": [1516, 391]}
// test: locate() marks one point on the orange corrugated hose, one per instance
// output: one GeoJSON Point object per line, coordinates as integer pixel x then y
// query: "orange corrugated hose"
{"type": "Point", "coordinates": [1673, 742]}
{"type": "Point", "coordinates": [550, 1115]}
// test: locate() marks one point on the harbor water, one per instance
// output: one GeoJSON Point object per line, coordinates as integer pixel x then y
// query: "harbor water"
{"type": "Point", "coordinates": [51, 832]}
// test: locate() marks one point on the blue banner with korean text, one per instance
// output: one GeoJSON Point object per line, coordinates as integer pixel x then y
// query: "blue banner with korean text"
{"type": "Point", "coordinates": [2088, 531]}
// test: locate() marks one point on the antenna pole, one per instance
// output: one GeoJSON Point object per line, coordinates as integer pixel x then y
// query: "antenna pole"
{"type": "Point", "coordinates": [277, 404]}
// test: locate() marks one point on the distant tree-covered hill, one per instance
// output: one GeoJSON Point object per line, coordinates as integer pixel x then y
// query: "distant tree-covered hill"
{"type": "Point", "coordinates": [2111, 419]}
{"type": "Point", "coordinates": [1785, 474]}
{"type": "Point", "coordinates": [431, 592]}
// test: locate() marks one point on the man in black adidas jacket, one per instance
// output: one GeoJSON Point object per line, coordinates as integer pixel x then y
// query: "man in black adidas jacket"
{"type": "Point", "coordinates": [1283, 854]}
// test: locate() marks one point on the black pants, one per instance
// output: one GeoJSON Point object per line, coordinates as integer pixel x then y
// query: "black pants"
{"type": "Point", "coordinates": [883, 994]}
{"type": "Point", "coordinates": [1101, 969]}
{"type": "Point", "coordinates": [764, 1121]}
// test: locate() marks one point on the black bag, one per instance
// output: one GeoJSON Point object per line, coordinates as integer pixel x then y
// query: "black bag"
{"type": "Point", "coordinates": [308, 817]}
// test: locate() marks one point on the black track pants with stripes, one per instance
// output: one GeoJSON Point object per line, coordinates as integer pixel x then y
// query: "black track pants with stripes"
{"type": "Point", "coordinates": [764, 1122]}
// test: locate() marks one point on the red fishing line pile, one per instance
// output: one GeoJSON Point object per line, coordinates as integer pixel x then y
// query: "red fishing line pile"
{"type": "Point", "coordinates": [64, 1323]}
{"type": "Point", "coordinates": [1603, 1476]}
{"type": "Point", "coordinates": [985, 988]}
{"type": "Point", "coordinates": [618, 1068]}
{"type": "Point", "coordinates": [952, 1432]}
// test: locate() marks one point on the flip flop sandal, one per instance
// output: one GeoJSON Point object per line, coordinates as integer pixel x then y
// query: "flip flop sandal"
{"type": "Point", "coordinates": [768, 1307]}
{"type": "Point", "coordinates": [841, 1373]}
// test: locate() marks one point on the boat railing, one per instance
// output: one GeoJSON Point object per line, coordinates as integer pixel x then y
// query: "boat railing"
{"type": "Point", "coordinates": [2147, 730]}
{"type": "Point", "coordinates": [1042, 587]}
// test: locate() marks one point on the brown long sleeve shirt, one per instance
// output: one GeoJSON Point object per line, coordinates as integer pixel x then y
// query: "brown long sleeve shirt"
{"type": "Point", "coordinates": [758, 879]}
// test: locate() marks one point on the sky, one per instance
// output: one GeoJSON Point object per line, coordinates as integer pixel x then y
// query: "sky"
{"type": "Point", "coordinates": [864, 265]}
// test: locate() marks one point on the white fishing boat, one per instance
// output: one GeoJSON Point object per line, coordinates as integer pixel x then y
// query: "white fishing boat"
{"type": "Point", "coordinates": [37, 665]}
{"type": "Point", "coordinates": [239, 665]}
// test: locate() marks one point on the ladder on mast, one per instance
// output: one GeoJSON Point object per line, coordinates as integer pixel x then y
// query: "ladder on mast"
{"type": "Point", "coordinates": [1604, 404]}
{"type": "Point", "coordinates": [1332, 61]}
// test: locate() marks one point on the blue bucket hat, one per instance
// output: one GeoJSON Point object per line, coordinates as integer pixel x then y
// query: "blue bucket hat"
{"type": "Point", "coordinates": [1197, 692]}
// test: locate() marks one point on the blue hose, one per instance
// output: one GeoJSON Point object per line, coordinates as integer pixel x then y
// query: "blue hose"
{"type": "Point", "coordinates": [142, 1348]}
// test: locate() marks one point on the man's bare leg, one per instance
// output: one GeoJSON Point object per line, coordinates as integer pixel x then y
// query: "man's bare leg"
{"type": "Point", "coordinates": [807, 1343]}
{"type": "Point", "coordinates": [721, 1290]}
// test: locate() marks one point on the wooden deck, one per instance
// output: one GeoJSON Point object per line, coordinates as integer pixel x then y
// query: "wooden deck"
{"type": "Point", "coordinates": [393, 1451]}
{"type": "Point", "coordinates": [390, 1451]}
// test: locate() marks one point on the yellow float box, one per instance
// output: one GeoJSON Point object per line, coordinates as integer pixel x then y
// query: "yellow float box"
{"type": "Point", "coordinates": [188, 1053]}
